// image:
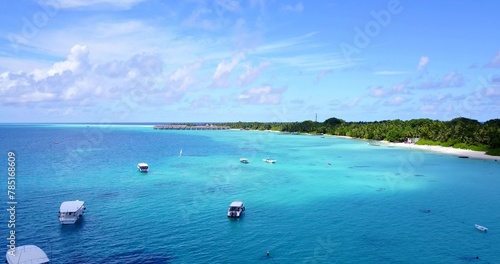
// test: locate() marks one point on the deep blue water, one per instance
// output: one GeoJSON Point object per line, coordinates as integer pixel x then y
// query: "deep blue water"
{"type": "Point", "coordinates": [369, 206]}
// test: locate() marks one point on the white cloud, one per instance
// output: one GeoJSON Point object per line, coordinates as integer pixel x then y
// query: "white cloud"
{"type": "Point", "coordinates": [201, 17]}
{"type": "Point", "coordinates": [390, 72]}
{"type": "Point", "coordinates": [495, 62]}
{"type": "Point", "coordinates": [138, 65]}
{"type": "Point", "coordinates": [345, 103]}
{"type": "Point", "coordinates": [322, 74]}
{"type": "Point", "coordinates": [36, 96]}
{"type": "Point", "coordinates": [312, 62]}
{"type": "Point", "coordinates": [309, 57]}
{"type": "Point", "coordinates": [111, 39]}
{"type": "Point", "coordinates": [69, 4]}
{"type": "Point", "coordinates": [297, 8]}
{"type": "Point", "coordinates": [251, 73]}
{"type": "Point", "coordinates": [76, 62]}
{"type": "Point", "coordinates": [451, 79]}
{"type": "Point", "coordinates": [398, 100]}
{"type": "Point", "coordinates": [428, 108]}
{"type": "Point", "coordinates": [263, 95]}
{"type": "Point", "coordinates": [378, 91]}
{"type": "Point", "coordinates": [282, 45]}
{"type": "Point", "coordinates": [208, 102]}
{"type": "Point", "coordinates": [354, 102]}
{"type": "Point", "coordinates": [120, 28]}
{"type": "Point", "coordinates": [400, 87]}
{"type": "Point", "coordinates": [225, 68]}
{"type": "Point", "coordinates": [436, 98]}
{"type": "Point", "coordinates": [212, 15]}
{"type": "Point", "coordinates": [180, 81]}
{"type": "Point", "coordinates": [76, 81]}
{"type": "Point", "coordinates": [491, 91]}
{"type": "Point", "coordinates": [422, 64]}
{"type": "Point", "coordinates": [228, 5]}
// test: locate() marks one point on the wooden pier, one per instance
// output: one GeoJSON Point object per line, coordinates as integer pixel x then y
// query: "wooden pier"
{"type": "Point", "coordinates": [190, 127]}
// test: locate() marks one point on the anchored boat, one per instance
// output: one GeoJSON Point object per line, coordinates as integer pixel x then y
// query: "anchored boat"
{"type": "Point", "coordinates": [70, 211]}
{"type": "Point", "coordinates": [481, 228]}
{"type": "Point", "coordinates": [236, 209]}
{"type": "Point", "coordinates": [143, 167]}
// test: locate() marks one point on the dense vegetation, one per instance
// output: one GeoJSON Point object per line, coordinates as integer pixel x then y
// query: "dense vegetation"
{"type": "Point", "coordinates": [458, 133]}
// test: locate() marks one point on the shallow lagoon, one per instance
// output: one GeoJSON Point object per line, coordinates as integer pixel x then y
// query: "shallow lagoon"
{"type": "Point", "coordinates": [370, 205]}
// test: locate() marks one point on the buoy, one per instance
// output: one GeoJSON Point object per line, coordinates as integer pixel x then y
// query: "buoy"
{"type": "Point", "coordinates": [267, 253]}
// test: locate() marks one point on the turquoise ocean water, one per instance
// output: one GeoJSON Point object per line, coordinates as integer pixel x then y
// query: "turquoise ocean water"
{"type": "Point", "coordinates": [370, 205]}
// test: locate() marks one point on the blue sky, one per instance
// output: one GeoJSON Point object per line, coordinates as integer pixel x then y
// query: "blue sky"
{"type": "Point", "coordinates": [248, 60]}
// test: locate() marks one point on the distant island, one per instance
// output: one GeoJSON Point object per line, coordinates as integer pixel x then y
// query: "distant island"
{"type": "Point", "coordinates": [461, 133]}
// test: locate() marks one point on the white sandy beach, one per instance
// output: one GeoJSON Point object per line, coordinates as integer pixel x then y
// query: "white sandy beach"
{"type": "Point", "coordinates": [446, 150]}
{"type": "Point", "coordinates": [439, 149]}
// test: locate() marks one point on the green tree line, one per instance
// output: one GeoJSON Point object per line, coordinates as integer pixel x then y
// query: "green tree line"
{"type": "Point", "coordinates": [459, 132]}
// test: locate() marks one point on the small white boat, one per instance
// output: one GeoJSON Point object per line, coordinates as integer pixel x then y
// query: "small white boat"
{"type": "Point", "coordinates": [143, 167]}
{"type": "Point", "coordinates": [481, 228]}
{"type": "Point", "coordinates": [70, 211]}
{"type": "Point", "coordinates": [243, 160]}
{"type": "Point", "coordinates": [26, 254]}
{"type": "Point", "coordinates": [236, 209]}
{"type": "Point", "coordinates": [269, 160]}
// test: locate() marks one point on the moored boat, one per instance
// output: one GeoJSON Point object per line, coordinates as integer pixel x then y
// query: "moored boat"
{"type": "Point", "coordinates": [143, 167]}
{"type": "Point", "coordinates": [243, 160]}
{"type": "Point", "coordinates": [481, 228]}
{"type": "Point", "coordinates": [268, 160]}
{"type": "Point", "coordinates": [236, 209]}
{"type": "Point", "coordinates": [70, 211]}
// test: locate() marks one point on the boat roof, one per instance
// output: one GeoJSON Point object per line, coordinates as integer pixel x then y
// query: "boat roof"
{"type": "Point", "coordinates": [27, 254]}
{"type": "Point", "coordinates": [71, 206]}
{"type": "Point", "coordinates": [142, 164]}
{"type": "Point", "coordinates": [236, 204]}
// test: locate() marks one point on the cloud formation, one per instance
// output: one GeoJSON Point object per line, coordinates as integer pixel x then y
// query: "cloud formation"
{"type": "Point", "coordinates": [322, 74]}
{"type": "Point", "coordinates": [451, 79]}
{"type": "Point", "coordinates": [390, 72]}
{"type": "Point", "coordinates": [71, 4]}
{"type": "Point", "coordinates": [495, 62]}
{"type": "Point", "coordinates": [263, 95]}
{"type": "Point", "coordinates": [224, 69]}
{"type": "Point", "coordinates": [378, 91]}
{"type": "Point", "coordinates": [251, 73]}
{"type": "Point", "coordinates": [180, 81]}
{"type": "Point", "coordinates": [422, 63]}
{"type": "Point", "coordinates": [77, 81]}
{"type": "Point", "coordinates": [296, 8]}
{"type": "Point", "coordinates": [77, 61]}
{"type": "Point", "coordinates": [398, 100]}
